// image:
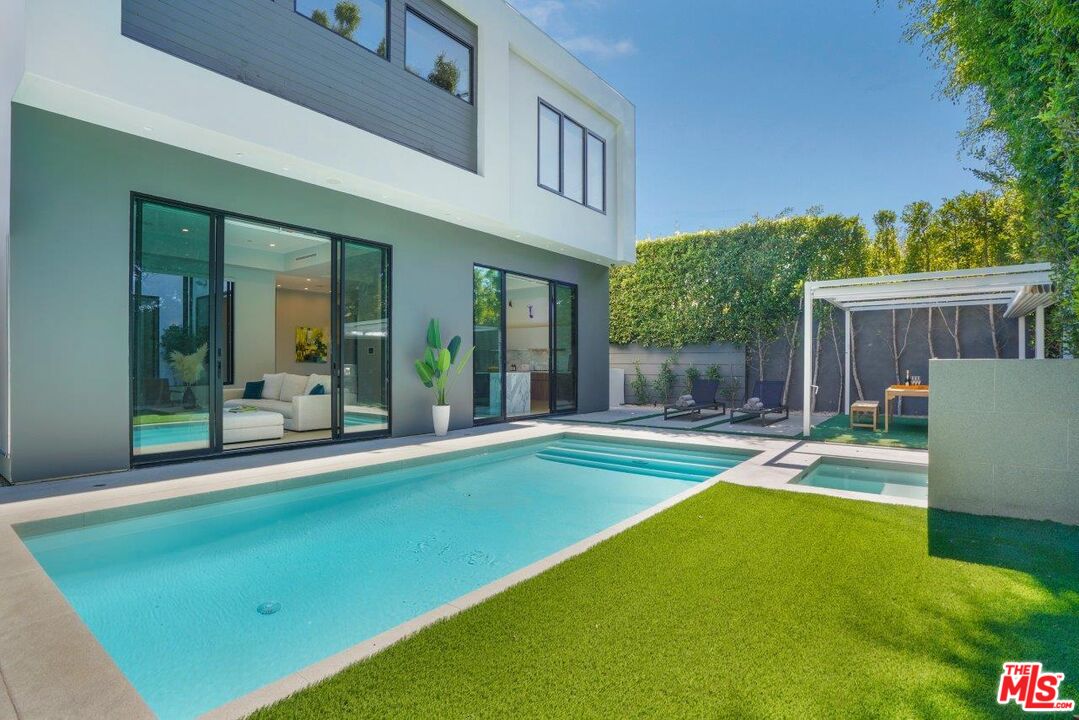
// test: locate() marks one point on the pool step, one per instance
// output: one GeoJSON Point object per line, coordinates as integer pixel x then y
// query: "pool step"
{"type": "Point", "coordinates": [637, 470]}
{"type": "Point", "coordinates": [634, 460]}
{"type": "Point", "coordinates": [705, 457]}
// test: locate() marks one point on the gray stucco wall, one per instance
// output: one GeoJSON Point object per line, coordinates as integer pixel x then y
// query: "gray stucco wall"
{"type": "Point", "coordinates": [1004, 438]}
{"type": "Point", "coordinates": [873, 352]}
{"type": "Point", "coordinates": [730, 358]}
{"type": "Point", "coordinates": [267, 45]}
{"type": "Point", "coordinates": [69, 286]}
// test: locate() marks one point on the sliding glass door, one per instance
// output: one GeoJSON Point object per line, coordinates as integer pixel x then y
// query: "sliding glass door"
{"type": "Point", "coordinates": [363, 373]}
{"type": "Point", "coordinates": [251, 334]}
{"type": "Point", "coordinates": [525, 333]}
{"type": "Point", "coordinates": [173, 328]}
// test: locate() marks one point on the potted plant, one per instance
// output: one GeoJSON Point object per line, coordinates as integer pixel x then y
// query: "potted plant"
{"type": "Point", "coordinates": [188, 368]}
{"type": "Point", "coordinates": [436, 370]}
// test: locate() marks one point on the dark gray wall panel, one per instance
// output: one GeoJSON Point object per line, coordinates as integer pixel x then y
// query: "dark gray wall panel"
{"type": "Point", "coordinates": [269, 46]}
{"type": "Point", "coordinates": [70, 361]}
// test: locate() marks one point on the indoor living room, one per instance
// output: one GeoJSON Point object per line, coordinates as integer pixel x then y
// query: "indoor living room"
{"type": "Point", "coordinates": [276, 336]}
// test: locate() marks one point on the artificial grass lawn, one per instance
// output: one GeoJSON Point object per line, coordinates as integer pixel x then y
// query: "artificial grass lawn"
{"type": "Point", "coordinates": [903, 432]}
{"type": "Point", "coordinates": [742, 602]}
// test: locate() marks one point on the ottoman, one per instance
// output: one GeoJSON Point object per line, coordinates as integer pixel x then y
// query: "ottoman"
{"type": "Point", "coordinates": [252, 425]}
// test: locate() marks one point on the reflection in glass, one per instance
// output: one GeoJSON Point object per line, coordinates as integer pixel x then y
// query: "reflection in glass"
{"type": "Point", "coordinates": [572, 160]}
{"type": "Point", "coordinates": [528, 346]}
{"type": "Point", "coordinates": [487, 337]}
{"type": "Point", "coordinates": [549, 148]}
{"type": "Point", "coordinates": [437, 57]}
{"type": "Point", "coordinates": [565, 349]}
{"type": "Point", "coordinates": [596, 161]}
{"type": "Point", "coordinates": [365, 339]}
{"type": "Point", "coordinates": [361, 21]}
{"type": "Point", "coordinates": [171, 339]}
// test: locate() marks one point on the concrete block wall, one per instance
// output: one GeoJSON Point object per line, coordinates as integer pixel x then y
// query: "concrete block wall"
{"type": "Point", "coordinates": [731, 359]}
{"type": "Point", "coordinates": [1004, 438]}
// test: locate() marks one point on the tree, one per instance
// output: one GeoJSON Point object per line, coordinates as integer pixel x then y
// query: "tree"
{"type": "Point", "coordinates": [346, 17]}
{"type": "Point", "coordinates": [885, 256]}
{"type": "Point", "coordinates": [1015, 61]}
{"type": "Point", "coordinates": [445, 74]}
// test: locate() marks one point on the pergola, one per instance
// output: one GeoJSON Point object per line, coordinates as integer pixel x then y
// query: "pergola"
{"type": "Point", "coordinates": [1022, 288]}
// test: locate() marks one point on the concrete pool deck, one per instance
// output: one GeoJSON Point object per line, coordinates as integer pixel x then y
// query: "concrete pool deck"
{"type": "Point", "coordinates": [51, 666]}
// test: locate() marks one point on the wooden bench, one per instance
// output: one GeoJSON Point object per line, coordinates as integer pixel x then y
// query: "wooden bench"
{"type": "Point", "coordinates": [865, 407]}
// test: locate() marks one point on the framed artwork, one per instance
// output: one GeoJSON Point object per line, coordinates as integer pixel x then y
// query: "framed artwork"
{"type": "Point", "coordinates": [311, 345]}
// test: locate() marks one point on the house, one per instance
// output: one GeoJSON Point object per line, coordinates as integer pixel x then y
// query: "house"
{"type": "Point", "coordinates": [229, 222]}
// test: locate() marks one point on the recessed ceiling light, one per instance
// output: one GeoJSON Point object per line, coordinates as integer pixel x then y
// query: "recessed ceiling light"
{"type": "Point", "coordinates": [333, 181]}
{"type": "Point", "coordinates": [184, 230]}
{"type": "Point", "coordinates": [278, 284]}
{"type": "Point", "coordinates": [273, 244]}
{"type": "Point", "coordinates": [239, 154]}
{"type": "Point", "coordinates": [308, 279]}
{"type": "Point", "coordinates": [285, 168]}
{"type": "Point", "coordinates": [306, 288]}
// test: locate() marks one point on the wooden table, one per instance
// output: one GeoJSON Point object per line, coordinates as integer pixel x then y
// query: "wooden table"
{"type": "Point", "coordinates": [897, 391]}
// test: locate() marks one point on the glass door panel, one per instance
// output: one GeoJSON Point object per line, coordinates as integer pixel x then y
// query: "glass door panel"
{"type": "Point", "coordinates": [363, 376]}
{"type": "Point", "coordinates": [487, 337]}
{"type": "Point", "coordinates": [173, 307]}
{"type": "Point", "coordinates": [528, 346]}
{"type": "Point", "coordinates": [565, 348]}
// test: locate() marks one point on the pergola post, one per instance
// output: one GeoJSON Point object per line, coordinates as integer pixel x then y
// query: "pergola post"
{"type": "Point", "coordinates": [1039, 333]}
{"type": "Point", "coordinates": [1022, 337]}
{"type": "Point", "coordinates": [846, 363]}
{"type": "Point", "coordinates": [807, 363]}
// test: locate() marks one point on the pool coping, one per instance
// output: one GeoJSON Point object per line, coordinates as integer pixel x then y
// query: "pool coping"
{"type": "Point", "coordinates": [51, 665]}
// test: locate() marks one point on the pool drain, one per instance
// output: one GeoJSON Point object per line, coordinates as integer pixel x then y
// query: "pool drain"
{"type": "Point", "coordinates": [269, 608]}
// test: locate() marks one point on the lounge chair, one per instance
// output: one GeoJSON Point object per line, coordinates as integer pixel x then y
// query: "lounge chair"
{"type": "Point", "coordinates": [770, 393]}
{"type": "Point", "coordinates": [704, 398]}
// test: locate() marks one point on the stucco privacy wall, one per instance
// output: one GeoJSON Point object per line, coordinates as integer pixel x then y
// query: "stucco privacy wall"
{"type": "Point", "coordinates": [873, 352]}
{"type": "Point", "coordinates": [1004, 438]}
{"type": "Point", "coordinates": [70, 250]}
{"type": "Point", "coordinates": [731, 359]}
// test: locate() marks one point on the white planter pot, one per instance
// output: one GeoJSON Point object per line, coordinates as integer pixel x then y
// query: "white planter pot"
{"type": "Point", "coordinates": [441, 415]}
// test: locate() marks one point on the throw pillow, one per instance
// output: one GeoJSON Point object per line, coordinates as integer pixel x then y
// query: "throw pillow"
{"type": "Point", "coordinates": [318, 390]}
{"type": "Point", "coordinates": [253, 390]}
{"type": "Point", "coordinates": [272, 388]}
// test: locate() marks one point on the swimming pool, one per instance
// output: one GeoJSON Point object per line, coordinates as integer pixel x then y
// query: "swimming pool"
{"type": "Point", "coordinates": [174, 597]}
{"type": "Point", "coordinates": [878, 478]}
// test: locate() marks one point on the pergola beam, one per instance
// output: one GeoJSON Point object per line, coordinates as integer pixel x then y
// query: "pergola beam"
{"type": "Point", "coordinates": [1023, 288]}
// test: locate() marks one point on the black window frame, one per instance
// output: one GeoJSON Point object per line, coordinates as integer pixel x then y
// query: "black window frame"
{"type": "Point", "coordinates": [218, 217]}
{"type": "Point", "coordinates": [562, 118]}
{"type": "Point", "coordinates": [552, 289]}
{"type": "Point", "coordinates": [373, 51]}
{"type": "Point", "coordinates": [453, 36]}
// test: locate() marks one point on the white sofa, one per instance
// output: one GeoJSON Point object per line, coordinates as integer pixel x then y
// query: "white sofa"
{"type": "Point", "coordinates": [290, 396]}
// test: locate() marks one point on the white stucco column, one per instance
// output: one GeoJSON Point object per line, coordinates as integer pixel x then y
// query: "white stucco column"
{"type": "Point", "coordinates": [846, 363]}
{"type": "Point", "coordinates": [1023, 338]}
{"type": "Point", "coordinates": [1039, 333]}
{"type": "Point", "coordinates": [807, 363]}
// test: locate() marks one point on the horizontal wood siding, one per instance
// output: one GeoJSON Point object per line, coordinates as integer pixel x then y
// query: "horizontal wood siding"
{"type": "Point", "coordinates": [269, 46]}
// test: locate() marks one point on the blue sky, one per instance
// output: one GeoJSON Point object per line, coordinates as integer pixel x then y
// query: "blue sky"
{"type": "Point", "coordinates": [753, 106]}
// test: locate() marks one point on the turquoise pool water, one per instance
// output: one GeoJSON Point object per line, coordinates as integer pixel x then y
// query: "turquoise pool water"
{"type": "Point", "coordinates": [173, 597]}
{"type": "Point", "coordinates": [144, 436]}
{"type": "Point", "coordinates": [893, 480]}
{"type": "Point", "coordinates": [198, 433]}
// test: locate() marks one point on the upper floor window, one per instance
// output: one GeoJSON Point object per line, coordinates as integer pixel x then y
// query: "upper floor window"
{"type": "Point", "coordinates": [437, 56]}
{"type": "Point", "coordinates": [364, 22]}
{"type": "Point", "coordinates": [572, 159]}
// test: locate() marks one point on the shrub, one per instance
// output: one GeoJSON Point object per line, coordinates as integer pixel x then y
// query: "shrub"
{"type": "Point", "coordinates": [642, 390]}
{"type": "Point", "coordinates": [666, 379]}
{"type": "Point", "coordinates": [714, 372]}
{"type": "Point", "coordinates": [692, 375]}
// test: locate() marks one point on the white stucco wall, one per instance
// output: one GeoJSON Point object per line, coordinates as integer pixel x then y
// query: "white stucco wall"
{"type": "Point", "coordinates": [78, 64]}
{"type": "Point", "coordinates": [1004, 438]}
